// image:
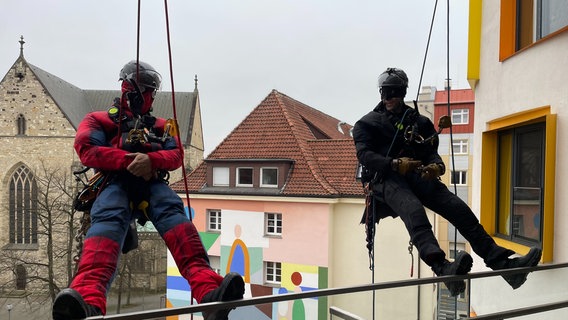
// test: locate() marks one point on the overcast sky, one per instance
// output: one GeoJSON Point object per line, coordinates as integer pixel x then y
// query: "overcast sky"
{"type": "Point", "coordinates": [324, 53]}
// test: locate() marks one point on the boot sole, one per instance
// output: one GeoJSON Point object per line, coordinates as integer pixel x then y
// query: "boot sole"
{"type": "Point", "coordinates": [232, 288]}
{"type": "Point", "coordinates": [67, 306]}
{"type": "Point", "coordinates": [517, 280]}
{"type": "Point", "coordinates": [464, 262]}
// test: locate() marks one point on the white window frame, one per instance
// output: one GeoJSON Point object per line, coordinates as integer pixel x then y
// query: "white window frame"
{"type": "Point", "coordinates": [273, 272]}
{"type": "Point", "coordinates": [462, 177]}
{"type": "Point", "coordinates": [238, 177]}
{"type": "Point", "coordinates": [460, 116]}
{"type": "Point", "coordinates": [215, 263]}
{"type": "Point", "coordinates": [262, 184]}
{"type": "Point", "coordinates": [461, 145]}
{"type": "Point", "coordinates": [273, 224]}
{"type": "Point", "coordinates": [214, 220]}
{"type": "Point", "coordinates": [221, 176]}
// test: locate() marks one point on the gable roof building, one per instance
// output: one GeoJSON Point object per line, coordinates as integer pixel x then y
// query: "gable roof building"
{"type": "Point", "coordinates": [317, 148]}
{"type": "Point", "coordinates": [278, 201]}
{"type": "Point", "coordinates": [74, 103]}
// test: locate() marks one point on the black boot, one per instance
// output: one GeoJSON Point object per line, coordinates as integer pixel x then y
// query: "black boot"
{"type": "Point", "coordinates": [517, 279]}
{"type": "Point", "coordinates": [232, 288]}
{"type": "Point", "coordinates": [461, 265]}
{"type": "Point", "coordinates": [69, 305]}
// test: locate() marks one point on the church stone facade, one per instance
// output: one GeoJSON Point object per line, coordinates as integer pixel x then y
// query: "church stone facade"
{"type": "Point", "coordinates": [39, 114]}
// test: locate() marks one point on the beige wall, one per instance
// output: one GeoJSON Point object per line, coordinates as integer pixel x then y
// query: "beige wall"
{"type": "Point", "coordinates": [350, 266]}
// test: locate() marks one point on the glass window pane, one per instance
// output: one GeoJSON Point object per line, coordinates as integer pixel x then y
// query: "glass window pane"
{"type": "Point", "coordinates": [220, 176]}
{"type": "Point", "coordinates": [269, 177]}
{"type": "Point", "coordinates": [554, 16]}
{"type": "Point", "coordinates": [244, 176]}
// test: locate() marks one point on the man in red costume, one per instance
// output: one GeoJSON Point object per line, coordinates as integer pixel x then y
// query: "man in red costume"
{"type": "Point", "coordinates": [129, 146]}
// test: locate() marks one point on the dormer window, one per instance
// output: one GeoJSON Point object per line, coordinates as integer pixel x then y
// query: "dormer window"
{"type": "Point", "coordinates": [244, 177]}
{"type": "Point", "coordinates": [269, 177]}
{"type": "Point", "coordinates": [221, 176]}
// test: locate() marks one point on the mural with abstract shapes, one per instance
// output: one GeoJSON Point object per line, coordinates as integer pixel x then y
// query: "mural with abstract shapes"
{"type": "Point", "coordinates": [242, 247]}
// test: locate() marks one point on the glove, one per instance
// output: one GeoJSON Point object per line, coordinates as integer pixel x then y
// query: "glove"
{"type": "Point", "coordinates": [431, 171]}
{"type": "Point", "coordinates": [405, 165]}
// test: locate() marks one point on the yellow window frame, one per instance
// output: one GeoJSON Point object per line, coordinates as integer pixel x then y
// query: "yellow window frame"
{"type": "Point", "coordinates": [489, 169]}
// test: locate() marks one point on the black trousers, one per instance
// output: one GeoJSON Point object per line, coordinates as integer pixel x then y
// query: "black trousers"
{"type": "Point", "coordinates": [408, 195]}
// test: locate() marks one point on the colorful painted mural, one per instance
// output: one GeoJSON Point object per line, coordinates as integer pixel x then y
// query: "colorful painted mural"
{"type": "Point", "coordinates": [242, 247]}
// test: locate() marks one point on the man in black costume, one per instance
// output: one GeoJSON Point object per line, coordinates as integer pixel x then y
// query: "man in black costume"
{"type": "Point", "coordinates": [398, 148]}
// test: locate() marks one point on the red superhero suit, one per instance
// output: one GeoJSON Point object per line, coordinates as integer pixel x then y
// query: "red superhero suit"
{"type": "Point", "coordinates": [135, 163]}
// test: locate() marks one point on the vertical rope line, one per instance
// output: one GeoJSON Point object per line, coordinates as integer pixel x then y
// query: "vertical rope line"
{"type": "Point", "coordinates": [453, 169]}
{"type": "Point", "coordinates": [138, 44]}
{"type": "Point", "coordinates": [426, 51]}
{"type": "Point", "coordinates": [180, 145]}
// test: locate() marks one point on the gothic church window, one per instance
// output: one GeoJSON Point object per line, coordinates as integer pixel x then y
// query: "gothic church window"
{"type": "Point", "coordinates": [23, 207]}
{"type": "Point", "coordinates": [21, 277]}
{"type": "Point", "coordinates": [21, 121]}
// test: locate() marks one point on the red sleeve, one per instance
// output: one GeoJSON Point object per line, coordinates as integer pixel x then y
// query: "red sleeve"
{"type": "Point", "coordinates": [95, 143]}
{"type": "Point", "coordinates": [95, 148]}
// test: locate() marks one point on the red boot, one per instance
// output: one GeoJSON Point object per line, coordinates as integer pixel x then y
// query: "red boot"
{"type": "Point", "coordinates": [191, 258]}
{"type": "Point", "coordinates": [96, 268]}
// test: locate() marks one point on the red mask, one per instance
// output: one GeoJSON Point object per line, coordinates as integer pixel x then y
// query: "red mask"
{"type": "Point", "coordinates": [139, 104]}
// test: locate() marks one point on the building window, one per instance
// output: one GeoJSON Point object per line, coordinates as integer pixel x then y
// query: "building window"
{"type": "Point", "coordinates": [21, 277]}
{"type": "Point", "coordinates": [273, 271]}
{"type": "Point", "coordinates": [520, 183]}
{"type": "Point", "coordinates": [460, 146]}
{"type": "Point", "coordinates": [215, 263]}
{"type": "Point", "coordinates": [552, 15]}
{"type": "Point", "coordinates": [221, 176]}
{"type": "Point", "coordinates": [458, 177]}
{"type": "Point", "coordinates": [273, 224]}
{"type": "Point", "coordinates": [516, 200]}
{"type": "Point", "coordinates": [269, 177]}
{"type": "Point", "coordinates": [526, 22]}
{"type": "Point", "coordinates": [23, 207]}
{"type": "Point", "coordinates": [460, 116]}
{"type": "Point", "coordinates": [454, 248]}
{"type": "Point", "coordinates": [21, 121]}
{"type": "Point", "coordinates": [214, 220]}
{"type": "Point", "coordinates": [244, 177]}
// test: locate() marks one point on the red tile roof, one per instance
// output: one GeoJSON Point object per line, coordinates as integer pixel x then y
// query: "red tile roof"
{"type": "Point", "coordinates": [283, 128]}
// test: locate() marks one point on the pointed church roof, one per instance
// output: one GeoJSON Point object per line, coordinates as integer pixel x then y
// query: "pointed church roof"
{"type": "Point", "coordinates": [319, 146]}
{"type": "Point", "coordinates": [75, 102]}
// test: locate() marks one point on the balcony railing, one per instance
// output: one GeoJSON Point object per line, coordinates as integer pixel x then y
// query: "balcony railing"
{"type": "Point", "coordinates": [335, 312]}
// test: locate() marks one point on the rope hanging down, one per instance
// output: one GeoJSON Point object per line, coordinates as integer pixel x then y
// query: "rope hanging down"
{"type": "Point", "coordinates": [370, 227]}
{"type": "Point", "coordinates": [174, 110]}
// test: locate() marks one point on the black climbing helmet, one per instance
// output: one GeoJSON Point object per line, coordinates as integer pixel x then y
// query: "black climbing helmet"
{"type": "Point", "coordinates": [393, 83]}
{"type": "Point", "coordinates": [148, 77]}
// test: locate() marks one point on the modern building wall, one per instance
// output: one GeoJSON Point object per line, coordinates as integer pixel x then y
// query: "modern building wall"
{"type": "Point", "coordinates": [512, 90]}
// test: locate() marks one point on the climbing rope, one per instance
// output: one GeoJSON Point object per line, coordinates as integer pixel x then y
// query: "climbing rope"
{"type": "Point", "coordinates": [174, 109]}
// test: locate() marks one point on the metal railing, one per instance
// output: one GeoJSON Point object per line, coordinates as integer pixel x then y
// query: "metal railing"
{"type": "Point", "coordinates": [150, 314]}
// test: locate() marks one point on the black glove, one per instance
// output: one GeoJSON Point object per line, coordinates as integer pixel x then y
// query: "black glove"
{"type": "Point", "coordinates": [431, 171]}
{"type": "Point", "coordinates": [405, 165]}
